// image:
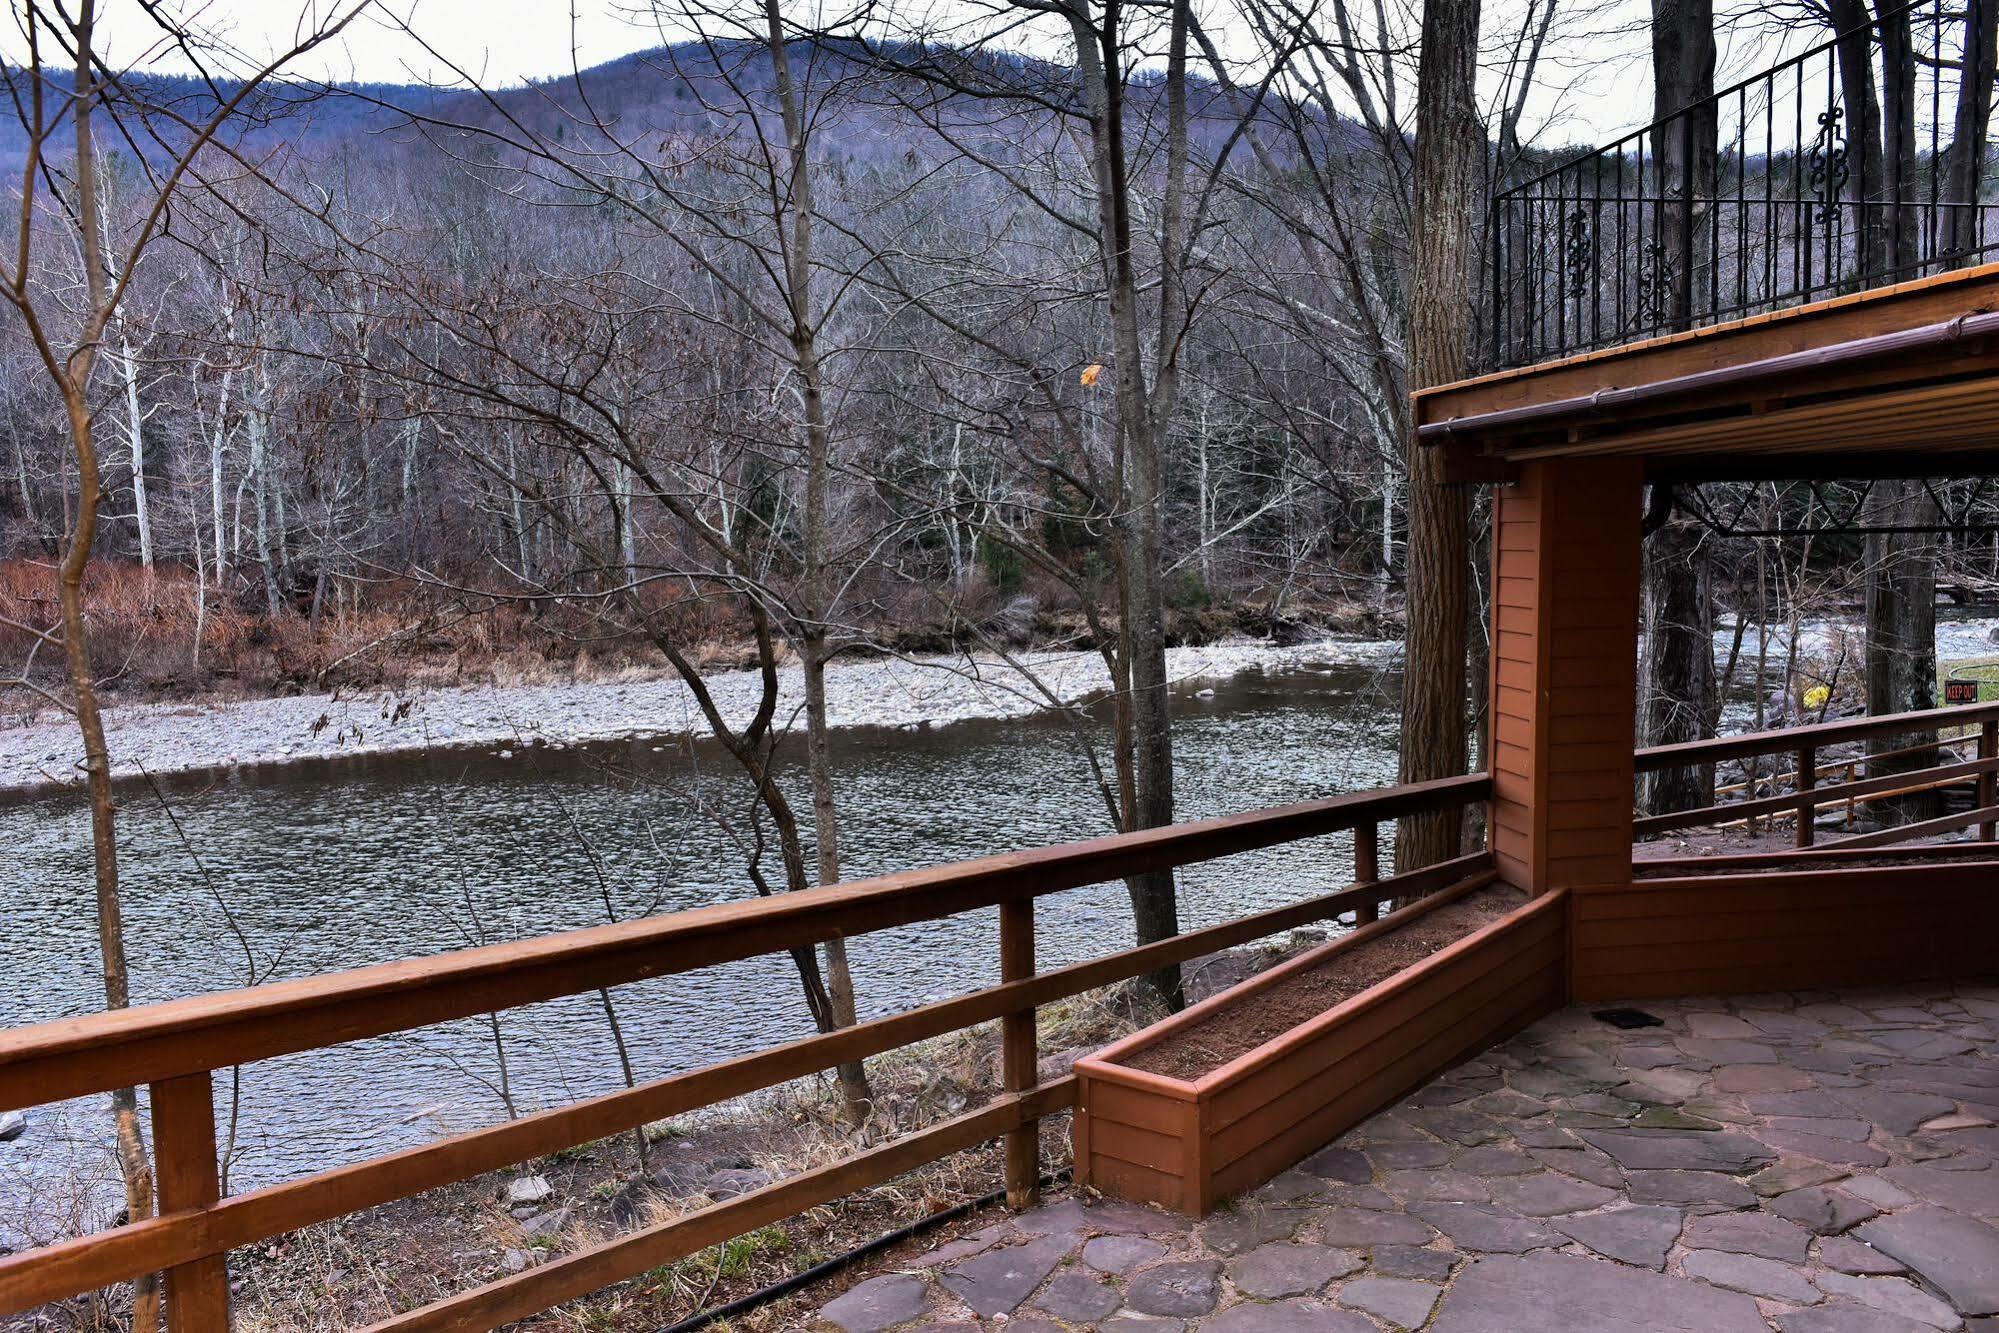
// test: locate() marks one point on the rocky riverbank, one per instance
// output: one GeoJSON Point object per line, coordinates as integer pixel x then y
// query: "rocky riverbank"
{"type": "Point", "coordinates": [43, 752]}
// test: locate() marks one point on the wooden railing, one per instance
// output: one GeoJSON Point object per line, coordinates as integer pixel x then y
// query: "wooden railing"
{"type": "Point", "coordinates": [1807, 749]}
{"type": "Point", "coordinates": [175, 1047]}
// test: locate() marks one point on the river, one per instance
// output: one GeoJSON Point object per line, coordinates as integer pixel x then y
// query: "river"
{"type": "Point", "coordinates": [319, 870]}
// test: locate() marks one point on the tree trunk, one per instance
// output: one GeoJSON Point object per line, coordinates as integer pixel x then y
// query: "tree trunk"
{"type": "Point", "coordinates": [1964, 158]}
{"type": "Point", "coordinates": [1678, 664]}
{"type": "Point", "coordinates": [1901, 632]}
{"type": "Point", "coordinates": [220, 567]}
{"type": "Point", "coordinates": [260, 500]}
{"type": "Point", "coordinates": [134, 1167]}
{"type": "Point", "coordinates": [1867, 182]}
{"type": "Point", "coordinates": [1144, 413]}
{"type": "Point", "coordinates": [1155, 902]}
{"type": "Point", "coordinates": [854, 1090]}
{"type": "Point", "coordinates": [72, 381]}
{"type": "Point", "coordinates": [1903, 185]}
{"type": "Point", "coordinates": [1450, 145]}
{"type": "Point", "coordinates": [135, 426]}
{"type": "Point", "coordinates": [814, 636]}
{"type": "Point", "coordinates": [1682, 79]}
{"type": "Point", "coordinates": [1677, 676]}
{"type": "Point", "coordinates": [1387, 521]}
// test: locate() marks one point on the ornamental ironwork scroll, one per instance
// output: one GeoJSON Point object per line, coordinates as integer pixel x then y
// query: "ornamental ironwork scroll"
{"type": "Point", "coordinates": [1828, 163]}
{"type": "Point", "coordinates": [1655, 285]}
{"type": "Point", "coordinates": [1578, 252]}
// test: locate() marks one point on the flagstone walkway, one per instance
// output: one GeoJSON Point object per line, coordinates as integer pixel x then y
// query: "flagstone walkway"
{"type": "Point", "coordinates": [1810, 1163]}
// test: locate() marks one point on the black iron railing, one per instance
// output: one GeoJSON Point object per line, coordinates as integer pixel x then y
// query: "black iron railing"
{"type": "Point", "coordinates": [1859, 163]}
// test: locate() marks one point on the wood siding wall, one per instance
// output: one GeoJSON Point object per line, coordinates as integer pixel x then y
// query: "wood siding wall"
{"type": "Point", "coordinates": [1565, 676]}
{"type": "Point", "coordinates": [1797, 930]}
{"type": "Point", "coordinates": [1136, 1139]}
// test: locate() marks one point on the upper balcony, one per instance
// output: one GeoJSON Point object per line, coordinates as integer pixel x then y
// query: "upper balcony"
{"type": "Point", "coordinates": [1854, 165]}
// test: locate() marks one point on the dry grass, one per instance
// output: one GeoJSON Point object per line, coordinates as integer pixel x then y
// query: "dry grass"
{"type": "Point", "coordinates": [397, 632]}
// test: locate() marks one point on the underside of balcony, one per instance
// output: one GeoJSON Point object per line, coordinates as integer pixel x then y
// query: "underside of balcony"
{"type": "Point", "coordinates": [1897, 381]}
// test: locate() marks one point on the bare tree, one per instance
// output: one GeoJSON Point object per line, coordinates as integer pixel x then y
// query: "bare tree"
{"type": "Point", "coordinates": [1678, 666]}
{"type": "Point", "coordinates": [726, 202]}
{"type": "Point", "coordinates": [1450, 153]}
{"type": "Point", "coordinates": [176, 142]}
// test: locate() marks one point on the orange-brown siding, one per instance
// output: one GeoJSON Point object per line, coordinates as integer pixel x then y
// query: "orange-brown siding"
{"type": "Point", "coordinates": [1800, 930]}
{"type": "Point", "coordinates": [1819, 324]}
{"type": "Point", "coordinates": [1564, 680]}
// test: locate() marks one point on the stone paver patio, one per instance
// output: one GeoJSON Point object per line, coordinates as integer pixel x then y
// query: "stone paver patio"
{"type": "Point", "coordinates": [1812, 1163]}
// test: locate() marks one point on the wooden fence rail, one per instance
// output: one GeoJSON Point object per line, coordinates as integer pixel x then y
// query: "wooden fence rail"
{"type": "Point", "coordinates": [1820, 735]}
{"type": "Point", "coordinates": [1805, 748]}
{"type": "Point", "coordinates": [174, 1047]}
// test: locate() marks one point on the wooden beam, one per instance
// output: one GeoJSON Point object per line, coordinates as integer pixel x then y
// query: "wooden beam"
{"type": "Point", "coordinates": [1912, 780]}
{"type": "Point", "coordinates": [1758, 337]}
{"type": "Point", "coordinates": [1920, 829]}
{"type": "Point", "coordinates": [74, 1057]}
{"type": "Point", "coordinates": [1824, 735]}
{"type": "Point", "coordinates": [1959, 416]}
{"type": "Point", "coordinates": [1018, 1057]}
{"type": "Point", "coordinates": [1824, 855]}
{"type": "Point", "coordinates": [186, 1175]}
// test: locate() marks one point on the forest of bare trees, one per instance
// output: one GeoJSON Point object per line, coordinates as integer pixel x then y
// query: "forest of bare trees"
{"type": "Point", "coordinates": [775, 343]}
{"type": "Point", "coordinates": [887, 338]}
{"type": "Point", "coordinates": [1072, 324]}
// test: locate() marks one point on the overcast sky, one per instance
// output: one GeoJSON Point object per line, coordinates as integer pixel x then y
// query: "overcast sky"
{"type": "Point", "coordinates": [499, 42]}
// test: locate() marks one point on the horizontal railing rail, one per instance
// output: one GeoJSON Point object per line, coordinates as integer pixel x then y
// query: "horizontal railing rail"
{"type": "Point", "coordinates": [1806, 747]}
{"type": "Point", "coordinates": [1822, 735]}
{"type": "Point", "coordinates": [176, 1046]}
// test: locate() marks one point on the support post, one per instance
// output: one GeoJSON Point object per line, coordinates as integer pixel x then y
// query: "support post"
{"type": "Point", "coordinates": [1808, 765]}
{"type": "Point", "coordinates": [1565, 673]}
{"type": "Point", "coordinates": [1988, 747]}
{"type": "Point", "coordinates": [1366, 870]}
{"type": "Point", "coordinates": [1019, 1059]}
{"type": "Point", "coordinates": [197, 1292]}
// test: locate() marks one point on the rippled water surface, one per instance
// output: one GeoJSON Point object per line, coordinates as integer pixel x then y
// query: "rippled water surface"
{"type": "Point", "coordinates": [312, 874]}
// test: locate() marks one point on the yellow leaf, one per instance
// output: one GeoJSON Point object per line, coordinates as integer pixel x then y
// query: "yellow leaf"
{"type": "Point", "coordinates": [1816, 696]}
{"type": "Point", "coordinates": [1090, 373]}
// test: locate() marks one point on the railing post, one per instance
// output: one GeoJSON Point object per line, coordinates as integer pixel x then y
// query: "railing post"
{"type": "Point", "coordinates": [197, 1292]}
{"type": "Point", "coordinates": [1495, 248]}
{"type": "Point", "coordinates": [1685, 295]}
{"type": "Point", "coordinates": [1988, 786]}
{"type": "Point", "coordinates": [1019, 1060]}
{"type": "Point", "coordinates": [1808, 809]}
{"type": "Point", "coordinates": [1366, 870]}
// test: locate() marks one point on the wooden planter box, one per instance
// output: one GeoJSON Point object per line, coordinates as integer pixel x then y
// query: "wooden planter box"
{"type": "Point", "coordinates": [1186, 1145]}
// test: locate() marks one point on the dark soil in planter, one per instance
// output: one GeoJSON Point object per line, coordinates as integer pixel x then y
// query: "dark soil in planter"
{"type": "Point", "coordinates": [1233, 1030]}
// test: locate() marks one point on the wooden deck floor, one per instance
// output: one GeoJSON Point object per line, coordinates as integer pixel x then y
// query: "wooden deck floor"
{"type": "Point", "coordinates": [1812, 1163]}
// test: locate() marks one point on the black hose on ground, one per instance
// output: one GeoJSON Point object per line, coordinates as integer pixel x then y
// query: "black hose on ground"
{"type": "Point", "coordinates": [828, 1267]}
